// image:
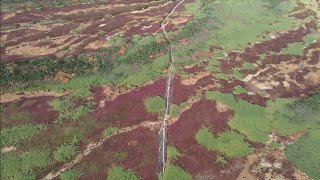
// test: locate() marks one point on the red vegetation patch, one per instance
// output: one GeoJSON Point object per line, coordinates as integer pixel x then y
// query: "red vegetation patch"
{"type": "Point", "coordinates": [78, 21]}
{"type": "Point", "coordinates": [139, 149]}
{"type": "Point", "coordinates": [37, 106]}
{"type": "Point", "coordinates": [315, 58]}
{"type": "Point", "coordinates": [304, 14]}
{"type": "Point", "coordinates": [181, 92]}
{"type": "Point", "coordinates": [128, 109]}
{"type": "Point", "coordinates": [196, 159]}
{"type": "Point", "coordinates": [251, 54]}
{"type": "Point", "coordinates": [194, 69]}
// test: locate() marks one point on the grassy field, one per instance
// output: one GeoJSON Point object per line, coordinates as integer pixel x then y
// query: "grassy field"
{"type": "Point", "coordinates": [230, 144]}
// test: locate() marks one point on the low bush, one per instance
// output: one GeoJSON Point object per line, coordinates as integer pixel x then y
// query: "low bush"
{"type": "Point", "coordinates": [65, 152]}
{"type": "Point", "coordinates": [67, 110]}
{"type": "Point", "coordinates": [14, 166]}
{"type": "Point", "coordinates": [14, 135]}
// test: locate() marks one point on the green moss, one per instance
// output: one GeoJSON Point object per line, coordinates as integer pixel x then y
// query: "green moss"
{"type": "Point", "coordinates": [67, 110]}
{"type": "Point", "coordinates": [249, 66]}
{"type": "Point", "coordinates": [109, 131]}
{"type": "Point", "coordinates": [119, 173]}
{"type": "Point", "coordinates": [70, 175]}
{"type": "Point", "coordinates": [174, 110]}
{"type": "Point", "coordinates": [173, 172]}
{"type": "Point", "coordinates": [230, 143]}
{"type": "Point", "coordinates": [172, 153]}
{"type": "Point", "coordinates": [23, 166]}
{"type": "Point", "coordinates": [239, 90]}
{"type": "Point", "coordinates": [65, 152]}
{"type": "Point", "coordinates": [16, 134]}
{"type": "Point", "coordinates": [221, 160]}
{"type": "Point", "coordinates": [294, 49]}
{"type": "Point", "coordinates": [305, 153]}
{"type": "Point", "coordinates": [82, 93]}
{"type": "Point", "coordinates": [249, 119]}
{"type": "Point", "coordinates": [276, 145]}
{"type": "Point", "coordinates": [221, 76]}
{"type": "Point", "coordinates": [288, 116]}
{"type": "Point", "coordinates": [155, 104]}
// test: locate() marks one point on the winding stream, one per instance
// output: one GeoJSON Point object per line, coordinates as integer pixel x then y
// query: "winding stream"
{"type": "Point", "coordinates": [163, 131]}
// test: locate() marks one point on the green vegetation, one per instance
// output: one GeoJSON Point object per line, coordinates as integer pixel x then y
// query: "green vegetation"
{"type": "Point", "coordinates": [23, 166]}
{"type": "Point", "coordinates": [276, 145]}
{"type": "Point", "coordinates": [221, 160]}
{"type": "Point", "coordinates": [172, 171]}
{"type": "Point", "coordinates": [294, 49]}
{"type": "Point", "coordinates": [16, 134]}
{"type": "Point", "coordinates": [67, 110]}
{"type": "Point", "coordinates": [155, 104]}
{"type": "Point", "coordinates": [82, 93]}
{"type": "Point", "coordinates": [230, 143]}
{"type": "Point", "coordinates": [16, 73]}
{"type": "Point", "coordinates": [119, 173]}
{"type": "Point", "coordinates": [172, 153]}
{"type": "Point", "coordinates": [176, 173]}
{"type": "Point", "coordinates": [249, 119]}
{"type": "Point", "coordinates": [249, 66]}
{"type": "Point", "coordinates": [239, 90]}
{"type": "Point", "coordinates": [137, 65]}
{"type": "Point", "coordinates": [175, 110]}
{"type": "Point", "coordinates": [109, 131]}
{"type": "Point", "coordinates": [288, 116]}
{"type": "Point", "coordinates": [305, 153]}
{"type": "Point", "coordinates": [70, 175]}
{"type": "Point", "coordinates": [19, 117]}
{"type": "Point", "coordinates": [65, 152]}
